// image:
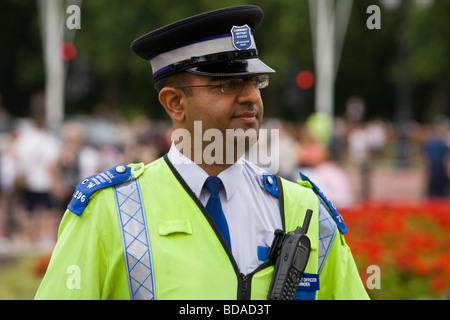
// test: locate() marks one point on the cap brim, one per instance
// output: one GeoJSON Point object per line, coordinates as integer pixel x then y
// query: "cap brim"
{"type": "Point", "coordinates": [232, 68]}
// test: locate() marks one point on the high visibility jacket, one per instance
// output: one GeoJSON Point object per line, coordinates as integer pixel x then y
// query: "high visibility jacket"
{"type": "Point", "coordinates": [187, 255]}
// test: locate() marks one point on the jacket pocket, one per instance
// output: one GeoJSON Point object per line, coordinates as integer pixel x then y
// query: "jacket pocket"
{"type": "Point", "coordinates": [166, 228]}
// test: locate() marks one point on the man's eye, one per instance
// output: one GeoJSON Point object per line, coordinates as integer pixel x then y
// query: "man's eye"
{"type": "Point", "coordinates": [230, 84]}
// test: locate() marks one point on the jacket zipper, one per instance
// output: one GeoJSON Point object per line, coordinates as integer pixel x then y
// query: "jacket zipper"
{"type": "Point", "coordinates": [245, 282]}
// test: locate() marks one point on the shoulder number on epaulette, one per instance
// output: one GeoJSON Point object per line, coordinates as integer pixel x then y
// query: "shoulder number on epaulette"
{"type": "Point", "coordinates": [88, 186]}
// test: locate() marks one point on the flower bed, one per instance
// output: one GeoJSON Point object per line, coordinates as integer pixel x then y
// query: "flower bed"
{"type": "Point", "coordinates": [409, 241]}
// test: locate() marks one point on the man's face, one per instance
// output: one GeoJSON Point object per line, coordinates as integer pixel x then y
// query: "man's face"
{"type": "Point", "coordinates": [221, 116]}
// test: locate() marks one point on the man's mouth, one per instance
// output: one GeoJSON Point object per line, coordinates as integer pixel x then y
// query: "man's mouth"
{"type": "Point", "coordinates": [248, 116]}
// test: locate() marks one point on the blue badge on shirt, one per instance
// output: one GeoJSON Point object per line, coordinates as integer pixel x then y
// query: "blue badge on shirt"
{"type": "Point", "coordinates": [88, 186]}
{"type": "Point", "coordinates": [270, 184]}
{"type": "Point", "coordinates": [336, 215]}
{"type": "Point", "coordinates": [263, 253]}
{"type": "Point", "coordinates": [241, 35]}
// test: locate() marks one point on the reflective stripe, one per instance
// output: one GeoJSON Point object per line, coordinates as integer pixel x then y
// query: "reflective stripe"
{"type": "Point", "coordinates": [135, 240]}
{"type": "Point", "coordinates": [327, 233]}
{"type": "Point", "coordinates": [330, 206]}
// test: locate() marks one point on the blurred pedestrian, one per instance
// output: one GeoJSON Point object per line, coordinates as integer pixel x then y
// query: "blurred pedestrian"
{"type": "Point", "coordinates": [318, 164]}
{"type": "Point", "coordinates": [9, 191]}
{"type": "Point", "coordinates": [437, 157]}
{"type": "Point", "coordinates": [76, 160]}
{"type": "Point", "coordinates": [37, 153]}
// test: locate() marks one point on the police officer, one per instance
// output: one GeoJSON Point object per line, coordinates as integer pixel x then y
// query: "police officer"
{"type": "Point", "coordinates": [184, 226]}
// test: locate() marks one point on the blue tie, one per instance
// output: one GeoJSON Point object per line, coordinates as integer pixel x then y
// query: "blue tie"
{"type": "Point", "coordinates": [214, 207]}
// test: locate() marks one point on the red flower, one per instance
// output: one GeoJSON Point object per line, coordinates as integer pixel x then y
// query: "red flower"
{"type": "Point", "coordinates": [411, 237]}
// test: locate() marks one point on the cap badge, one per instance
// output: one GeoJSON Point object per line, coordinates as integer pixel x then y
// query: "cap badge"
{"type": "Point", "coordinates": [241, 35]}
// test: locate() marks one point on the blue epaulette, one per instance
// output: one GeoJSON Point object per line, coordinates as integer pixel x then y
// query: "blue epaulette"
{"type": "Point", "coordinates": [86, 188]}
{"type": "Point", "coordinates": [328, 205]}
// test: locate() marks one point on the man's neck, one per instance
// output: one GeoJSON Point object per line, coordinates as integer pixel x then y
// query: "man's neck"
{"type": "Point", "coordinates": [214, 169]}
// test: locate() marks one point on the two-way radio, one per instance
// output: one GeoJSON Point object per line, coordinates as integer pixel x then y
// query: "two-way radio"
{"type": "Point", "coordinates": [289, 253]}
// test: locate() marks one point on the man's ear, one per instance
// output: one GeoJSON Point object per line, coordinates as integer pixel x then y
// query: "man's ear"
{"type": "Point", "coordinates": [173, 101]}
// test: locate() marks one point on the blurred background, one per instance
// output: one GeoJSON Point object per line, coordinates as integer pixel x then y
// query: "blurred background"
{"type": "Point", "coordinates": [361, 97]}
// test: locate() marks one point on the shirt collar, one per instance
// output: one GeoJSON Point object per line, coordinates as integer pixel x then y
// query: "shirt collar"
{"type": "Point", "coordinates": [195, 176]}
{"type": "Point", "coordinates": [232, 177]}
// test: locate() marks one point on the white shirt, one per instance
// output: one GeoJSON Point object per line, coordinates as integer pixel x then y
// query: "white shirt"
{"type": "Point", "coordinates": [252, 213]}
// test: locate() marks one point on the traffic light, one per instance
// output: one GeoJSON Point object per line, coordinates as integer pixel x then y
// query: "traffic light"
{"type": "Point", "coordinates": [305, 79]}
{"type": "Point", "coordinates": [68, 51]}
